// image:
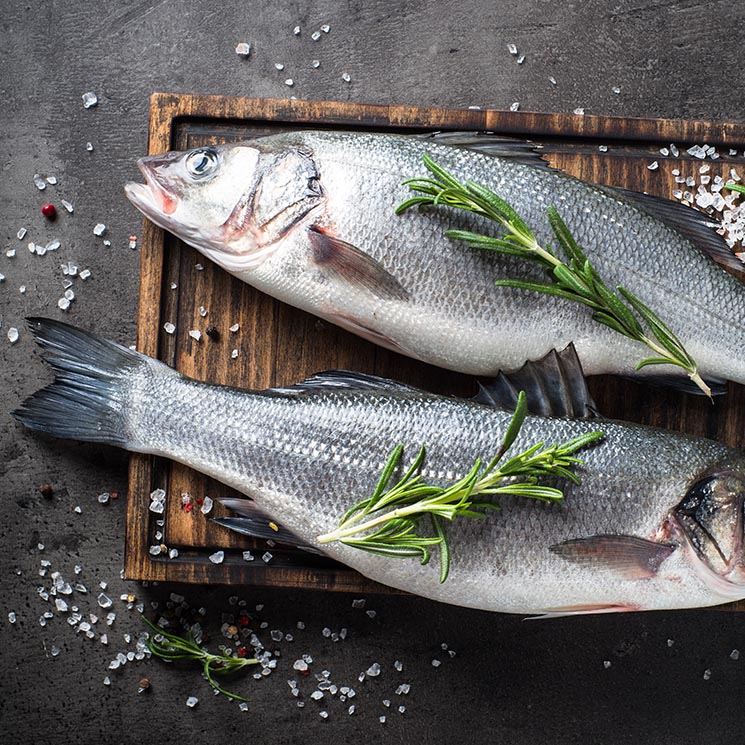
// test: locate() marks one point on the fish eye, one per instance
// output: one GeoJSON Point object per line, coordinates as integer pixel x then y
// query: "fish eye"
{"type": "Point", "coordinates": [201, 162]}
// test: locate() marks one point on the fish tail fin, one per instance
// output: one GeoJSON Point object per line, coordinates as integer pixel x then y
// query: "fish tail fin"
{"type": "Point", "coordinates": [94, 379]}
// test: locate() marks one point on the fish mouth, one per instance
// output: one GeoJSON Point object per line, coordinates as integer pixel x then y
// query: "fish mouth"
{"type": "Point", "coordinates": [152, 198]}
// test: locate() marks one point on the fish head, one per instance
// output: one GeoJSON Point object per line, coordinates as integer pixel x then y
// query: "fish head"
{"type": "Point", "coordinates": [234, 203]}
{"type": "Point", "coordinates": [710, 520]}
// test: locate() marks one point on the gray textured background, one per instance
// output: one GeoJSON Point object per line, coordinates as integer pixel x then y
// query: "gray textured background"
{"type": "Point", "coordinates": [511, 681]}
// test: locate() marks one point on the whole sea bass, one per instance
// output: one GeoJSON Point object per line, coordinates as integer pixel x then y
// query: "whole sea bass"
{"type": "Point", "coordinates": [309, 217]}
{"type": "Point", "coordinates": [657, 521]}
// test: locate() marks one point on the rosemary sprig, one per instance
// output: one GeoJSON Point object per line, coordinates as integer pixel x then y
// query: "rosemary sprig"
{"type": "Point", "coordinates": [575, 279]}
{"type": "Point", "coordinates": [389, 522]}
{"type": "Point", "coordinates": [172, 648]}
{"type": "Point", "coordinates": [735, 187]}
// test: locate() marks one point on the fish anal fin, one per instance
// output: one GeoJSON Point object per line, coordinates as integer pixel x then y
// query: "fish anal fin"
{"type": "Point", "coordinates": [554, 386]}
{"type": "Point", "coordinates": [627, 556]}
{"type": "Point", "coordinates": [586, 609]}
{"type": "Point", "coordinates": [344, 261]}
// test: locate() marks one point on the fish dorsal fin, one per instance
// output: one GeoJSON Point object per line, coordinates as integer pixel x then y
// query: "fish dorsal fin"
{"type": "Point", "coordinates": [345, 380]}
{"type": "Point", "coordinates": [698, 227]}
{"type": "Point", "coordinates": [519, 151]}
{"type": "Point", "coordinates": [554, 386]}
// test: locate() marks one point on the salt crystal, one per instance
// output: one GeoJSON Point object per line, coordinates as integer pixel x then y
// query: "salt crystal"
{"type": "Point", "coordinates": [606, 664]}
{"type": "Point", "coordinates": [664, 151]}
{"type": "Point", "coordinates": [133, 243]}
{"type": "Point", "coordinates": [296, 31]}
{"type": "Point", "coordinates": [54, 651]}
{"type": "Point", "coordinates": [157, 507]}
{"type": "Point", "coordinates": [520, 59]}
{"type": "Point", "coordinates": [579, 111]}
{"type": "Point", "coordinates": [653, 166]}
{"type": "Point", "coordinates": [707, 674]}
{"type": "Point", "coordinates": [61, 605]}
{"type": "Point", "coordinates": [11, 617]}
{"type": "Point", "coordinates": [192, 701]}
{"type": "Point", "coordinates": [351, 710]}
{"type": "Point", "coordinates": [195, 334]}
{"type": "Point", "coordinates": [603, 148]}
{"type": "Point", "coordinates": [243, 49]}
{"type": "Point", "coordinates": [21, 234]}
{"type": "Point", "coordinates": [85, 274]}
{"type": "Point", "coordinates": [2, 278]}
{"type": "Point", "coordinates": [104, 498]}
{"type": "Point", "coordinates": [31, 247]}
{"type": "Point", "coordinates": [515, 106]}
{"type": "Point", "coordinates": [248, 556]}
{"type": "Point", "coordinates": [316, 35]}
{"type": "Point", "coordinates": [552, 80]}
{"type": "Point", "coordinates": [674, 150]}
{"type": "Point", "coordinates": [52, 180]}
{"type": "Point", "coordinates": [316, 63]}
{"type": "Point", "coordinates": [99, 229]}
{"type": "Point", "coordinates": [346, 77]}
{"type": "Point", "coordinates": [374, 670]}
{"type": "Point", "coordinates": [371, 613]}
{"type": "Point", "coordinates": [289, 82]}
{"type": "Point", "coordinates": [90, 99]}
{"type": "Point", "coordinates": [398, 665]}
{"type": "Point", "coordinates": [512, 49]}
{"type": "Point", "coordinates": [279, 66]}
{"type": "Point", "coordinates": [382, 719]}
{"type": "Point", "coordinates": [207, 505]}
{"type": "Point", "coordinates": [359, 603]}
{"type": "Point", "coordinates": [234, 328]}
{"type": "Point", "coordinates": [202, 311]}
{"type": "Point", "coordinates": [616, 89]}
{"type": "Point", "coordinates": [217, 557]}
{"type": "Point", "coordinates": [89, 147]}
{"type": "Point", "coordinates": [734, 654]}
{"type": "Point", "coordinates": [325, 28]}
{"type": "Point", "coordinates": [39, 182]}
{"type": "Point", "coordinates": [67, 206]}
{"type": "Point", "coordinates": [436, 663]}
{"type": "Point", "coordinates": [155, 550]}
{"type": "Point", "coordinates": [317, 695]}
{"type": "Point", "coordinates": [326, 632]}
{"type": "Point", "coordinates": [234, 354]}
{"type": "Point", "coordinates": [266, 557]}
{"type": "Point", "coordinates": [53, 245]}
{"type": "Point", "coordinates": [104, 600]}
{"type": "Point", "coordinates": [69, 295]}
{"type": "Point", "coordinates": [13, 334]}
{"type": "Point", "coordinates": [10, 253]}
{"type": "Point", "coordinates": [168, 327]}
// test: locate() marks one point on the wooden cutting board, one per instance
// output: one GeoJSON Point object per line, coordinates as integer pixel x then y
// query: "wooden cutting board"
{"type": "Point", "coordinates": [279, 345]}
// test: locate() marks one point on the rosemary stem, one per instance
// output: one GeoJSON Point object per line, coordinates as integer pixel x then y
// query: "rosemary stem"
{"type": "Point", "coordinates": [348, 529]}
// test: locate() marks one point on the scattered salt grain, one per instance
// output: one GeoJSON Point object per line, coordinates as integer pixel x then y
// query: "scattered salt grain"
{"type": "Point", "coordinates": [436, 663]}
{"type": "Point", "coordinates": [234, 354]}
{"type": "Point", "coordinates": [382, 718]}
{"type": "Point", "coordinates": [520, 59]}
{"type": "Point", "coordinates": [11, 617]}
{"type": "Point", "coordinates": [317, 695]}
{"type": "Point", "coordinates": [515, 106]}
{"type": "Point", "coordinates": [168, 327]}
{"type": "Point", "coordinates": [54, 651]}
{"type": "Point", "coordinates": [39, 182]}
{"type": "Point", "coordinates": [279, 66]}
{"type": "Point", "coordinates": [552, 80]}
{"type": "Point", "coordinates": [707, 674]}
{"type": "Point", "coordinates": [296, 31]}
{"type": "Point", "coordinates": [289, 82]}
{"type": "Point", "coordinates": [218, 557]}
{"type": "Point", "coordinates": [374, 670]}
{"type": "Point", "coordinates": [325, 28]}
{"type": "Point", "coordinates": [316, 63]}
{"type": "Point", "coordinates": [104, 498]}
{"type": "Point", "coordinates": [371, 613]}
{"type": "Point", "coordinates": [243, 49]}
{"type": "Point", "coordinates": [266, 557]}
{"type": "Point", "coordinates": [195, 334]}
{"type": "Point", "coordinates": [21, 234]}
{"type": "Point", "coordinates": [104, 600]}
{"type": "Point", "coordinates": [606, 664]}
{"type": "Point", "coordinates": [358, 603]}
{"type": "Point", "coordinates": [99, 229]}
{"type": "Point", "coordinates": [653, 166]}
{"type": "Point", "coordinates": [2, 278]}
{"type": "Point", "coordinates": [89, 147]}
{"type": "Point", "coordinates": [734, 654]}
{"type": "Point", "coordinates": [90, 99]}
{"type": "Point", "coordinates": [346, 77]}
{"type": "Point", "coordinates": [664, 152]}
{"type": "Point", "coordinates": [52, 180]}
{"type": "Point", "coordinates": [85, 274]}
{"type": "Point", "coordinates": [674, 150]}
{"type": "Point", "coordinates": [13, 335]}
{"type": "Point", "coordinates": [512, 49]}
{"type": "Point", "coordinates": [157, 550]}
{"type": "Point", "coordinates": [207, 505]}
{"type": "Point", "coordinates": [316, 35]}
{"type": "Point", "coordinates": [579, 111]}
{"type": "Point", "coordinates": [67, 206]}
{"type": "Point", "coordinates": [248, 556]}
{"type": "Point", "coordinates": [22, 289]}
{"type": "Point", "coordinates": [616, 89]}
{"type": "Point", "coordinates": [192, 701]}
{"type": "Point", "coordinates": [234, 328]}
{"type": "Point", "coordinates": [61, 605]}
{"type": "Point", "coordinates": [202, 311]}
{"type": "Point", "coordinates": [603, 148]}
{"type": "Point", "coordinates": [69, 295]}
{"type": "Point", "coordinates": [323, 714]}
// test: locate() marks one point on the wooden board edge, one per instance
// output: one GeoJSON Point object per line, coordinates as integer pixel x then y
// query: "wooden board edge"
{"type": "Point", "coordinates": [526, 123]}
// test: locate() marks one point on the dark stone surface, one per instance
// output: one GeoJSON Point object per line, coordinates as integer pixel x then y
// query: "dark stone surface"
{"type": "Point", "coordinates": [512, 681]}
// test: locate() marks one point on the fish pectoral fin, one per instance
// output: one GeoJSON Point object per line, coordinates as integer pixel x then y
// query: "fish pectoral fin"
{"type": "Point", "coordinates": [554, 386]}
{"type": "Point", "coordinates": [344, 261]}
{"type": "Point", "coordinates": [625, 555]}
{"type": "Point", "coordinates": [256, 523]}
{"type": "Point", "coordinates": [584, 610]}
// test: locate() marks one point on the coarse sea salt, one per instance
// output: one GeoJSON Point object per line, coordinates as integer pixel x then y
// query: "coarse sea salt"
{"type": "Point", "coordinates": [90, 99]}
{"type": "Point", "coordinates": [243, 49]}
{"type": "Point", "coordinates": [218, 557]}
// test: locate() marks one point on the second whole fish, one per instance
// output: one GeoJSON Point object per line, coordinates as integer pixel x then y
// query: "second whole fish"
{"type": "Point", "coordinates": [309, 218]}
{"type": "Point", "coordinates": [656, 522]}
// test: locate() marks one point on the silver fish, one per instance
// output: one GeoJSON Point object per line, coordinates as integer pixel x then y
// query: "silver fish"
{"type": "Point", "coordinates": [309, 218]}
{"type": "Point", "coordinates": [657, 521]}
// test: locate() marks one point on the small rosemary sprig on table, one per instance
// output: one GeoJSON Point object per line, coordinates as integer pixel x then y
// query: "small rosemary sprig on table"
{"type": "Point", "coordinates": [576, 280]}
{"type": "Point", "coordinates": [736, 187]}
{"type": "Point", "coordinates": [173, 648]}
{"type": "Point", "coordinates": [388, 523]}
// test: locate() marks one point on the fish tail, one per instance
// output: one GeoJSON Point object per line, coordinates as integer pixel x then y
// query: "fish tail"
{"type": "Point", "coordinates": [93, 384]}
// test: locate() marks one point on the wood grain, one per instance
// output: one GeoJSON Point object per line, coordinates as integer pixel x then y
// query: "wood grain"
{"type": "Point", "coordinates": [278, 344]}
